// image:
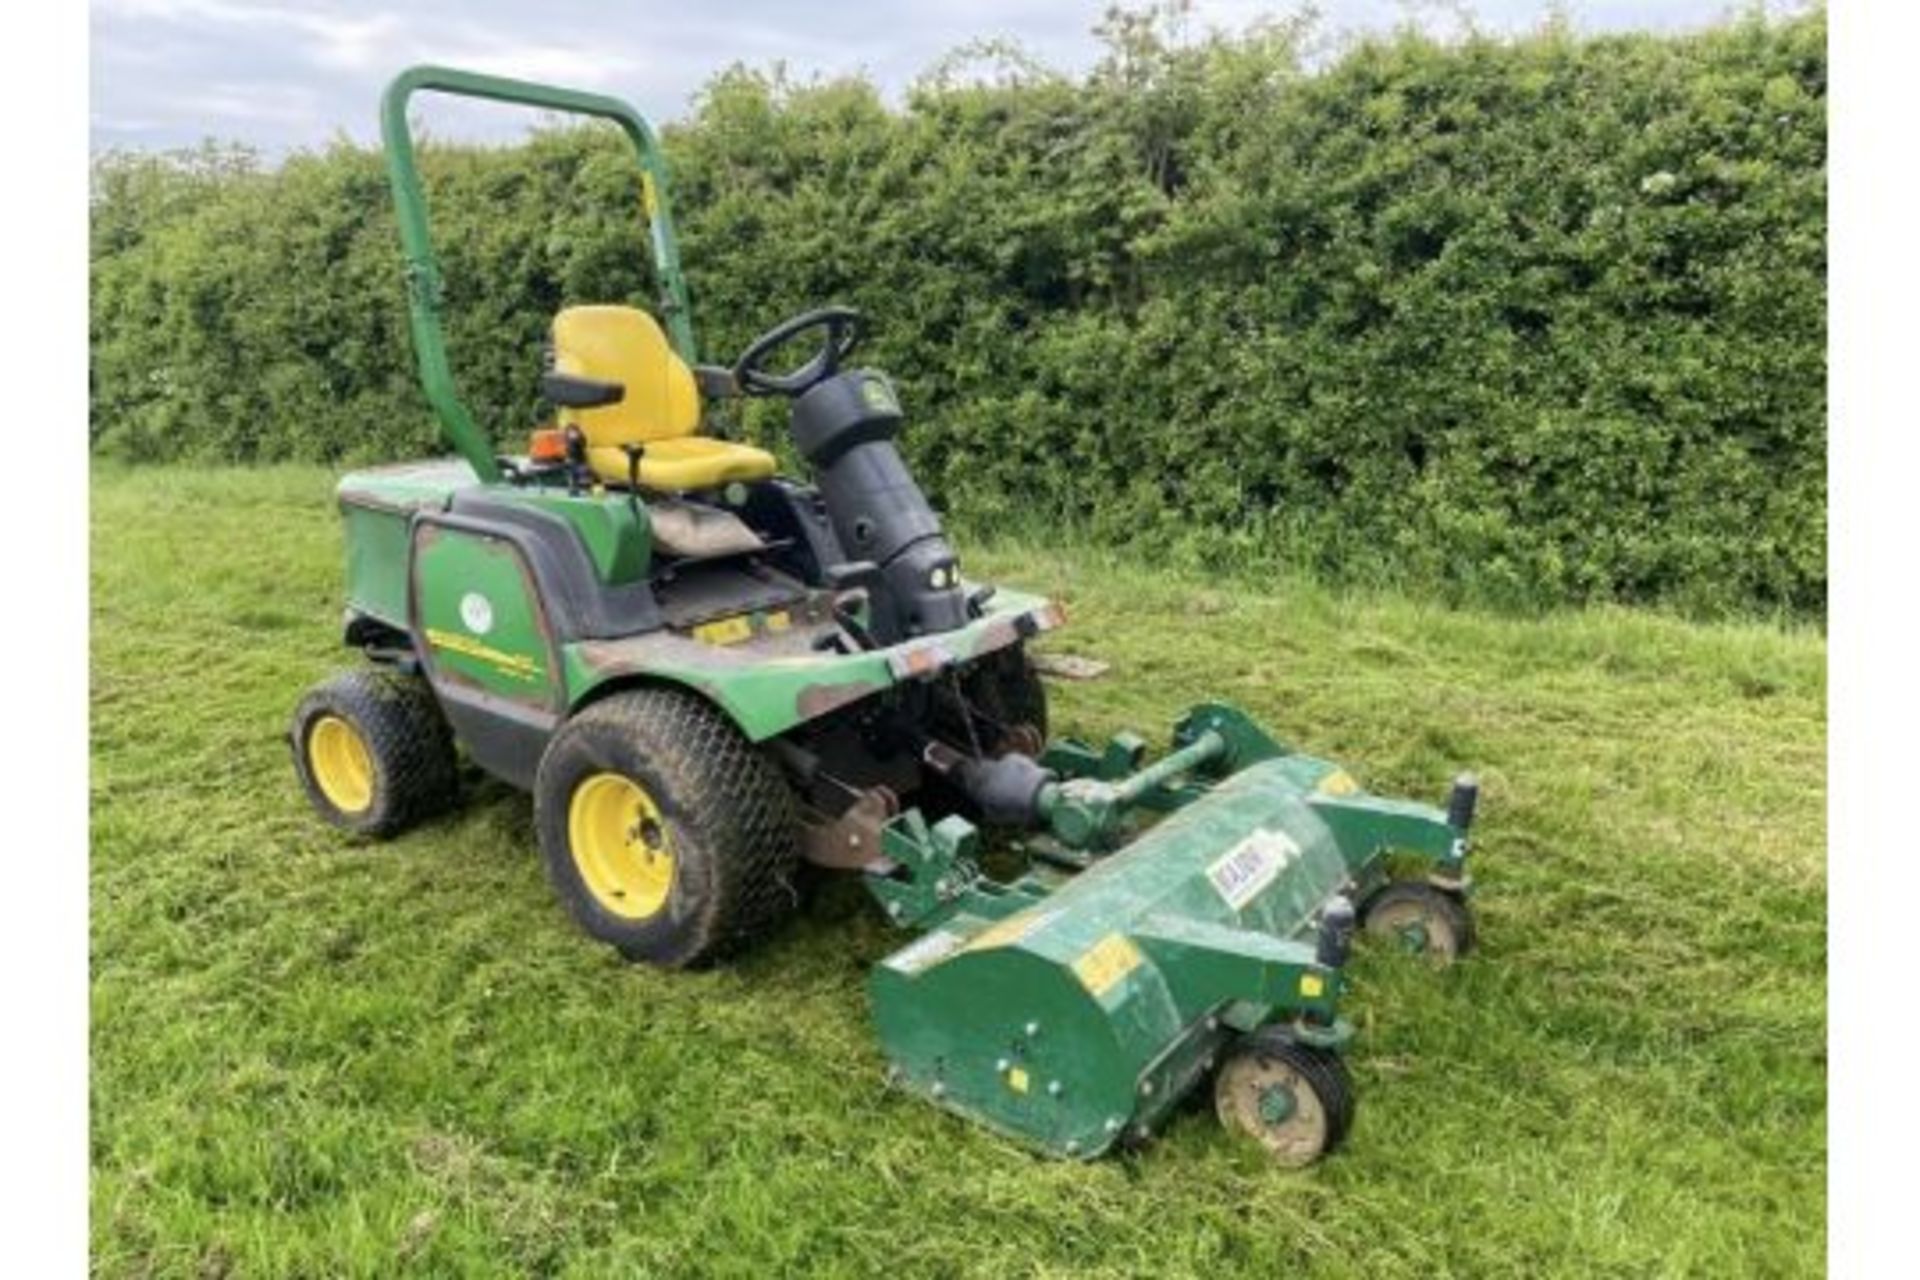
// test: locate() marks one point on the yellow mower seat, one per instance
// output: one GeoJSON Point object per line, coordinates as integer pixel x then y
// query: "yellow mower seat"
{"type": "Point", "coordinates": [660, 410]}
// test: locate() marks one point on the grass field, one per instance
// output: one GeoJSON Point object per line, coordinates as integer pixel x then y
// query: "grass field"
{"type": "Point", "coordinates": [316, 1058]}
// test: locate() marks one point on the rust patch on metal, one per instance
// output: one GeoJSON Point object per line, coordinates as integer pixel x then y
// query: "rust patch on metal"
{"type": "Point", "coordinates": [996, 635]}
{"type": "Point", "coordinates": [852, 840]}
{"type": "Point", "coordinates": [1021, 739]}
{"type": "Point", "coordinates": [818, 699]}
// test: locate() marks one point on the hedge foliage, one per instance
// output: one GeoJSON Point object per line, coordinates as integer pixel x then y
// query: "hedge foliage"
{"type": "Point", "coordinates": [1524, 319]}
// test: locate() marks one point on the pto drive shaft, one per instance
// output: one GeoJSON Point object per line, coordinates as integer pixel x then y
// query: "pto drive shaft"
{"type": "Point", "coordinates": [1014, 790]}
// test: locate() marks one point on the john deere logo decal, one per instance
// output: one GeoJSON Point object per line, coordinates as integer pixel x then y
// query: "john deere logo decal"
{"type": "Point", "coordinates": [477, 612]}
{"type": "Point", "coordinates": [879, 396]}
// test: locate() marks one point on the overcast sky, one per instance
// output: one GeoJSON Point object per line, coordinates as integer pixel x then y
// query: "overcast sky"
{"type": "Point", "coordinates": [292, 73]}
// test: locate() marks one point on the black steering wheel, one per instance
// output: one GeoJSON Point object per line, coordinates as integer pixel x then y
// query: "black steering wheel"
{"type": "Point", "coordinates": [843, 328]}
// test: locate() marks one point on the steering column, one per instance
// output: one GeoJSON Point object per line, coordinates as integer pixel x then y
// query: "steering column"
{"type": "Point", "coordinates": [845, 425]}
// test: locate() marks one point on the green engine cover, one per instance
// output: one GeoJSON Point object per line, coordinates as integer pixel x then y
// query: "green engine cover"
{"type": "Point", "coordinates": [485, 627]}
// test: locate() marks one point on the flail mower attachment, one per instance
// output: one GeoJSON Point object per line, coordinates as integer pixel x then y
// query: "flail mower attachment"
{"type": "Point", "coordinates": [1074, 1007]}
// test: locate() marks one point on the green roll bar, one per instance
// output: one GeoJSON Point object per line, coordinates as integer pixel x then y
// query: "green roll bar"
{"type": "Point", "coordinates": [423, 270]}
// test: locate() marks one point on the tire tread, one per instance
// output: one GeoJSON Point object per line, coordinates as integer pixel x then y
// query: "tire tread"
{"type": "Point", "coordinates": [416, 771]}
{"type": "Point", "coordinates": [733, 798]}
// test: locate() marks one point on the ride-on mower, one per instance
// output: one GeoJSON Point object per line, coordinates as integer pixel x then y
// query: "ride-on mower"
{"type": "Point", "coordinates": [709, 674]}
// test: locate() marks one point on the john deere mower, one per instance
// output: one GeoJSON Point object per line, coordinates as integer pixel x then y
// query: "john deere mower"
{"type": "Point", "coordinates": [709, 675]}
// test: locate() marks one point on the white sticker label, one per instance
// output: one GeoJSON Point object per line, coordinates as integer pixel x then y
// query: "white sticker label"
{"type": "Point", "coordinates": [1252, 865]}
{"type": "Point", "coordinates": [927, 951]}
{"type": "Point", "coordinates": [477, 612]}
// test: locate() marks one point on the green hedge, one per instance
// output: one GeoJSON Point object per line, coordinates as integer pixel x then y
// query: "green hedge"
{"type": "Point", "coordinates": [1527, 320]}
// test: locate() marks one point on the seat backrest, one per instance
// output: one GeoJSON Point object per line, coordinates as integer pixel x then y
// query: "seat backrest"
{"type": "Point", "coordinates": [625, 345]}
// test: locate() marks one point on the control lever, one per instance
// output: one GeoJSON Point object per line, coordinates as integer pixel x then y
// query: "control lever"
{"type": "Point", "coordinates": [848, 582]}
{"type": "Point", "coordinates": [576, 460]}
{"type": "Point", "coordinates": [853, 573]}
{"type": "Point", "coordinates": [633, 452]}
{"type": "Point", "coordinates": [846, 612]}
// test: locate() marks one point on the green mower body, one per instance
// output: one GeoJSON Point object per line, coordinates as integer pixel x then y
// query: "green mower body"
{"type": "Point", "coordinates": [708, 674]}
{"type": "Point", "coordinates": [503, 596]}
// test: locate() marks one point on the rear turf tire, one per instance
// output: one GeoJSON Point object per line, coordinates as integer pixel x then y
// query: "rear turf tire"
{"type": "Point", "coordinates": [373, 752]}
{"type": "Point", "coordinates": [666, 834]}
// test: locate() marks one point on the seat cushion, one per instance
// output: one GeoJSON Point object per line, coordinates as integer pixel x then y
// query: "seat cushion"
{"type": "Point", "coordinates": [685, 462]}
{"type": "Point", "coordinates": [660, 409]}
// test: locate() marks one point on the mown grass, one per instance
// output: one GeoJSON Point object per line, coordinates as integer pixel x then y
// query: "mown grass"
{"type": "Point", "coordinates": [312, 1057]}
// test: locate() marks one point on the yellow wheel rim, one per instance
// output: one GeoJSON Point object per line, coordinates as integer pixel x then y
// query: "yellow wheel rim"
{"type": "Point", "coordinates": [620, 845]}
{"type": "Point", "coordinates": [342, 765]}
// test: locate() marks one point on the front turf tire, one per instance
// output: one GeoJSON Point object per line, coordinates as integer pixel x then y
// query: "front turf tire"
{"type": "Point", "coordinates": [666, 834]}
{"type": "Point", "coordinates": [373, 752]}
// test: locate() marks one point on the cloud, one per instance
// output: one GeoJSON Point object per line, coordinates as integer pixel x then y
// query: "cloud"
{"type": "Point", "coordinates": [504, 51]}
{"type": "Point", "coordinates": [289, 73]}
{"type": "Point", "coordinates": [557, 64]}
{"type": "Point", "coordinates": [347, 42]}
{"type": "Point", "coordinates": [252, 102]}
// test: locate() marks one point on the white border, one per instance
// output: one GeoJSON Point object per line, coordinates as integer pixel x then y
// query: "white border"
{"type": "Point", "coordinates": [1875, 547]}
{"type": "Point", "coordinates": [43, 764]}
{"type": "Point", "coordinates": [1874, 554]}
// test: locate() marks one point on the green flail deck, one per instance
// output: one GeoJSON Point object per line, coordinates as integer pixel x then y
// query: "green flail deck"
{"type": "Point", "coordinates": [1074, 1010]}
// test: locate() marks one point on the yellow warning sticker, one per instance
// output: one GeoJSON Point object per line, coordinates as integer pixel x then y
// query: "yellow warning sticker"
{"type": "Point", "coordinates": [726, 631]}
{"type": "Point", "coordinates": [1017, 1079]}
{"type": "Point", "coordinates": [1010, 930]}
{"type": "Point", "coordinates": [1338, 783]}
{"type": "Point", "coordinates": [1106, 963]}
